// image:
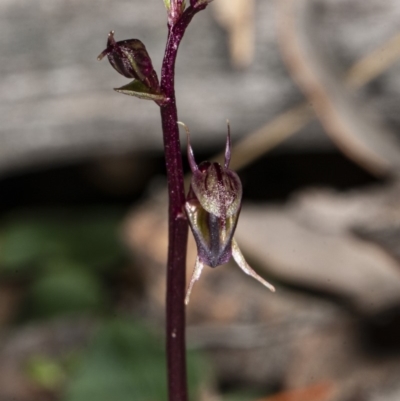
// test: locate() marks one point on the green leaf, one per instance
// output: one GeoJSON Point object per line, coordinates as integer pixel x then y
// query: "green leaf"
{"type": "Point", "coordinates": [66, 291]}
{"type": "Point", "coordinates": [126, 362]}
{"type": "Point", "coordinates": [22, 244]}
{"type": "Point", "coordinates": [140, 90]}
{"type": "Point", "coordinates": [30, 241]}
{"type": "Point", "coordinates": [45, 371]}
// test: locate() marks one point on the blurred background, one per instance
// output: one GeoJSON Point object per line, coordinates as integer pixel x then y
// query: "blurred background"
{"type": "Point", "coordinates": [311, 88]}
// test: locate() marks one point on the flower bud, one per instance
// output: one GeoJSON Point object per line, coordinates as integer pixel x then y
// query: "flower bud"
{"type": "Point", "coordinates": [175, 9]}
{"type": "Point", "coordinates": [130, 58]}
{"type": "Point", "coordinates": [213, 206]}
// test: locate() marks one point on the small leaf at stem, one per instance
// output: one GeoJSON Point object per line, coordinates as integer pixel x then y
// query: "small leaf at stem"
{"type": "Point", "coordinates": [140, 90]}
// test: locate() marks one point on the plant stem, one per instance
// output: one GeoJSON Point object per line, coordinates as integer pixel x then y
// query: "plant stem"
{"type": "Point", "coordinates": [178, 226]}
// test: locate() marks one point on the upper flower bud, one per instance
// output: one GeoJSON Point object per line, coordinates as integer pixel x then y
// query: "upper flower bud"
{"type": "Point", "coordinates": [213, 206]}
{"type": "Point", "coordinates": [130, 58]}
{"type": "Point", "coordinates": [175, 9]}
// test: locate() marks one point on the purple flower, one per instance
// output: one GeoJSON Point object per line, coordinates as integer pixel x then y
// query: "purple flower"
{"type": "Point", "coordinates": [213, 206]}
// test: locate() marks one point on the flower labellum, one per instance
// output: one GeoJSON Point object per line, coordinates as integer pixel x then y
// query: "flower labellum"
{"type": "Point", "coordinates": [213, 206]}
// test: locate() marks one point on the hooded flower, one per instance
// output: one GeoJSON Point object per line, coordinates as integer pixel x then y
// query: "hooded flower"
{"type": "Point", "coordinates": [213, 206]}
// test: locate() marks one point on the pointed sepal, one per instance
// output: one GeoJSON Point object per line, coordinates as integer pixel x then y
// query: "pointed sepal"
{"type": "Point", "coordinates": [198, 268]}
{"type": "Point", "coordinates": [241, 261]}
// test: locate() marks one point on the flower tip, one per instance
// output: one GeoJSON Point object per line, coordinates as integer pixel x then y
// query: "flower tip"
{"type": "Point", "coordinates": [187, 296]}
{"type": "Point", "coordinates": [111, 40]}
{"type": "Point", "coordinates": [192, 161]}
{"type": "Point", "coordinates": [195, 276]}
{"type": "Point", "coordinates": [187, 299]}
{"type": "Point", "coordinates": [241, 261]}
{"type": "Point", "coordinates": [228, 145]}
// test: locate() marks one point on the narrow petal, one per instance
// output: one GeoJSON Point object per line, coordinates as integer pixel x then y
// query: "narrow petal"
{"type": "Point", "coordinates": [190, 155]}
{"type": "Point", "coordinates": [228, 146]}
{"type": "Point", "coordinates": [240, 260]}
{"type": "Point", "coordinates": [195, 276]}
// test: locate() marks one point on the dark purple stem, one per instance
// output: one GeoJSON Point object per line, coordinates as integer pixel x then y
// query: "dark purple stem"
{"type": "Point", "coordinates": [178, 226]}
